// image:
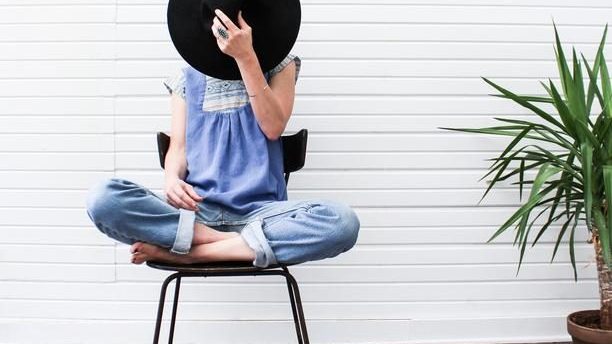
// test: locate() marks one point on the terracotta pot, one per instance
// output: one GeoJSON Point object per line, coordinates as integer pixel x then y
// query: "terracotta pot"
{"type": "Point", "coordinates": [584, 328]}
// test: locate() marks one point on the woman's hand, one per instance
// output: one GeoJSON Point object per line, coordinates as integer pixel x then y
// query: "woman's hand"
{"type": "Point", "coordinates": [181, 195]}
{"type": "Point", "coordinates": [238, 42]}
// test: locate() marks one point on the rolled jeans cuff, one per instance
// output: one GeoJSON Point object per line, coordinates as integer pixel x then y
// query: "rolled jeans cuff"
{"type": "Point", "coordinates": [254, 236]}
{"type": "Point", "coordinates": [184, 232]}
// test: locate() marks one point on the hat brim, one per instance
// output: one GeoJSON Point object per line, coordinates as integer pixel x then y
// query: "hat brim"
{"type": "Point", "coordinates": [275, 26]}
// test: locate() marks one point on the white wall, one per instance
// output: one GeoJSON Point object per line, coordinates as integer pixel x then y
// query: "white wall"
{"type": "Point", "coordinates": [81, 98]}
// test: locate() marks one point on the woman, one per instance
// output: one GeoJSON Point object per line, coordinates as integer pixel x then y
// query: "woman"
{"type": "Point", "coordinates": [225, 195]}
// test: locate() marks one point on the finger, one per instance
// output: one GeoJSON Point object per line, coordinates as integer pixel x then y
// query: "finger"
{"type": "Point", "coordinates": [243, 24]}
{"type": "Point", "coordinates": [191, 192]}
{"type": "Point", "coordinates": [229, 24]}
{"type": "Point", "coordinates": [217, 24]}
{"type": "Point", "coordinates": [191, 204]}
{"type": "Point", "coordinates": [171, 202]}
{"type": "Point", "coordinates": [169, 199]}
{"type": "Point", "coordinates": [214, 31]}
{"type": "Point", "coordinates": [188, 188]}
{"type": "Point", "coordinates": [217, 27]}
{"type": "Point", "coordinates": [185, 201]}
{"type": "Point", "coordinates": [178, 203]}
{"type": "Point", "coordinates": [174, 200]}
{"type": "Point", "coordinates": [221, 43]}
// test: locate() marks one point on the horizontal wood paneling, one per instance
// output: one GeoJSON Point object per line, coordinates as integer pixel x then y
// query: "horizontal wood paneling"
{"type": "Point", "coordinates": [400, 274]}
{"type": "Point", "coordinates": [253, 290]}
{"type": "Point", "coordinates": [404, 331]}
{"type": "Point", "coordinates": [241, 311]}
{"type": "Point", "coordinates": [82, 97]}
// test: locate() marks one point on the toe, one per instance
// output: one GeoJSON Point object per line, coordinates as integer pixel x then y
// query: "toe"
{"type": "Point", "coordinates": [135, 247]}
{"type": "Point", "coordinates": [138, 258]}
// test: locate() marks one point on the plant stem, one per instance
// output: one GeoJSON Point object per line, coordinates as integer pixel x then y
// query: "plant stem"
{"type": "Point", "coordinates": [604, 275]}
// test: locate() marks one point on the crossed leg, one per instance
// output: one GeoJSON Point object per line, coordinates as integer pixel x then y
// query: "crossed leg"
{"type": "Point", "coordinates": [122, 210]}
{"type": "Point", "coordinates": [295, 231]}
{"type": "Point", "coordinates": [208, 245]}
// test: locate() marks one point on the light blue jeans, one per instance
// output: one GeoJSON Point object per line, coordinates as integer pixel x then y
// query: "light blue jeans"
{"type": "Point", "coordinates": [280, 232]}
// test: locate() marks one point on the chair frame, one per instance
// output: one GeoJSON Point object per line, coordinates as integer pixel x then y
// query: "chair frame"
{"type": "Point", "coordinates": [294, 154]}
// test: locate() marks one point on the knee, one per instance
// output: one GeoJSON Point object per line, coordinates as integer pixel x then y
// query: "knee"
{"type": "Point", "coordinates": [102, 198]}
{"type": "Point", "coordinates": [347, 227]}
{"type": "Point", "coordinates": [351, 227]}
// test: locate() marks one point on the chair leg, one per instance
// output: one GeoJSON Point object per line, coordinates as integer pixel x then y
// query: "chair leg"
{"type": "Point", "coordinates": [294, 294]}
{"type": "Point", "coordinates": [298, 329]}
{"type": "Point", "coordinates": [174, 308]}
{"type": "Point", "coordinates": [160, 307]}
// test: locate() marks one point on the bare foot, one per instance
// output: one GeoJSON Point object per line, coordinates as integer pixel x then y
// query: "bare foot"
{"type": "Point", "coordinates": [142, 252]}
{"type": "Point", "coordinates": [233, 249]}
{"type": "Point", "coordinates": [203, 234]}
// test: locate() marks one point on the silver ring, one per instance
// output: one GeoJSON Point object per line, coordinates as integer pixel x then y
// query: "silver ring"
{"type": "Point", "coordinates": [222, 32]}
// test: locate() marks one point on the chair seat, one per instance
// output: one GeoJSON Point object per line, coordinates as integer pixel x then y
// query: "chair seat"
{"type": "Point", "coordinates": [215, 267]}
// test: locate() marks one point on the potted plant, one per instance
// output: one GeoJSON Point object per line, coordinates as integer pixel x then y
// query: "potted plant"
{"type": "Point", "coordinates": [569, 148]}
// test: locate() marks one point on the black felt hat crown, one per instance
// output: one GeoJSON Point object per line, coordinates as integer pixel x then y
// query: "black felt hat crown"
{"type": "Point", "coordinates": [275, 25]}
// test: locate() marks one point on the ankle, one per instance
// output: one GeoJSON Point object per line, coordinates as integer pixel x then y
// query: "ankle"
{"type": "Point", "coordinates": [204, 234]}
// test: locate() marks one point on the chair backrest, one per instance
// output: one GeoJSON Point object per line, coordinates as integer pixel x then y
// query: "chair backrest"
{"type": "Point", "coordinates": [294, 150]}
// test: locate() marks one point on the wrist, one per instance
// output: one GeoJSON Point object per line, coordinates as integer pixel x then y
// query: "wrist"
{"type": "Point", "coordinates": [247, 58]}
{"type": "Point", "coordinates": [171, 177]}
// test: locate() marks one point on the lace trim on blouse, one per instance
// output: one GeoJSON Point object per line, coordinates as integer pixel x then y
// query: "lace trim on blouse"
{"type": "Point", "coordinates": [225, 94]}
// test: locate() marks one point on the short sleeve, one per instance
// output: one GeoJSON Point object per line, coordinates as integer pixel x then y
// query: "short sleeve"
{"type": "Point", "coordinates": [285, 62]}
{"type": "Point", "coordinates": [176, 83]}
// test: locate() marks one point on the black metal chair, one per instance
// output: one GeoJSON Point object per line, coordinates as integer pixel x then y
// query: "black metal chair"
{"type": "Point", "coordinates": [294, 154]}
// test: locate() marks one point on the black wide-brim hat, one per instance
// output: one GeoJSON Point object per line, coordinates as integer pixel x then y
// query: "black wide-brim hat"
{"type": "Point", "coordinates": [275, 25]}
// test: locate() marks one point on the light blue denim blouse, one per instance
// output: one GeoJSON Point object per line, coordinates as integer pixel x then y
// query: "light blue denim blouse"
{"type": "Point", "coordinates": [230, 161]}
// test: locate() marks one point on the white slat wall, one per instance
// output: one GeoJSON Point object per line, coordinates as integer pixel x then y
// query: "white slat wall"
{"type": "Point", "coordinates": [81, 98]}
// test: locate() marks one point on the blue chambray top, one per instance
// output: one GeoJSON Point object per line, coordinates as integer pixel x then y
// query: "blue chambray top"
{"type": "Point", "coordinates": [230, 161]}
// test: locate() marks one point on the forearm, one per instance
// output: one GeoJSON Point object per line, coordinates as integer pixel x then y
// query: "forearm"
{"type": "Point", "coordinates": [178, 193]}
{"type": "Point", "coordinates": [265, 103]}
{"type": "Point", "coordinates": [175, 164]}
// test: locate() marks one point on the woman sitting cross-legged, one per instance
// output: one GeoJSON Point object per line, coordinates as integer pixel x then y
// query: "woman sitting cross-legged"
{"type": "Point", "coordinates": [225, 194]}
